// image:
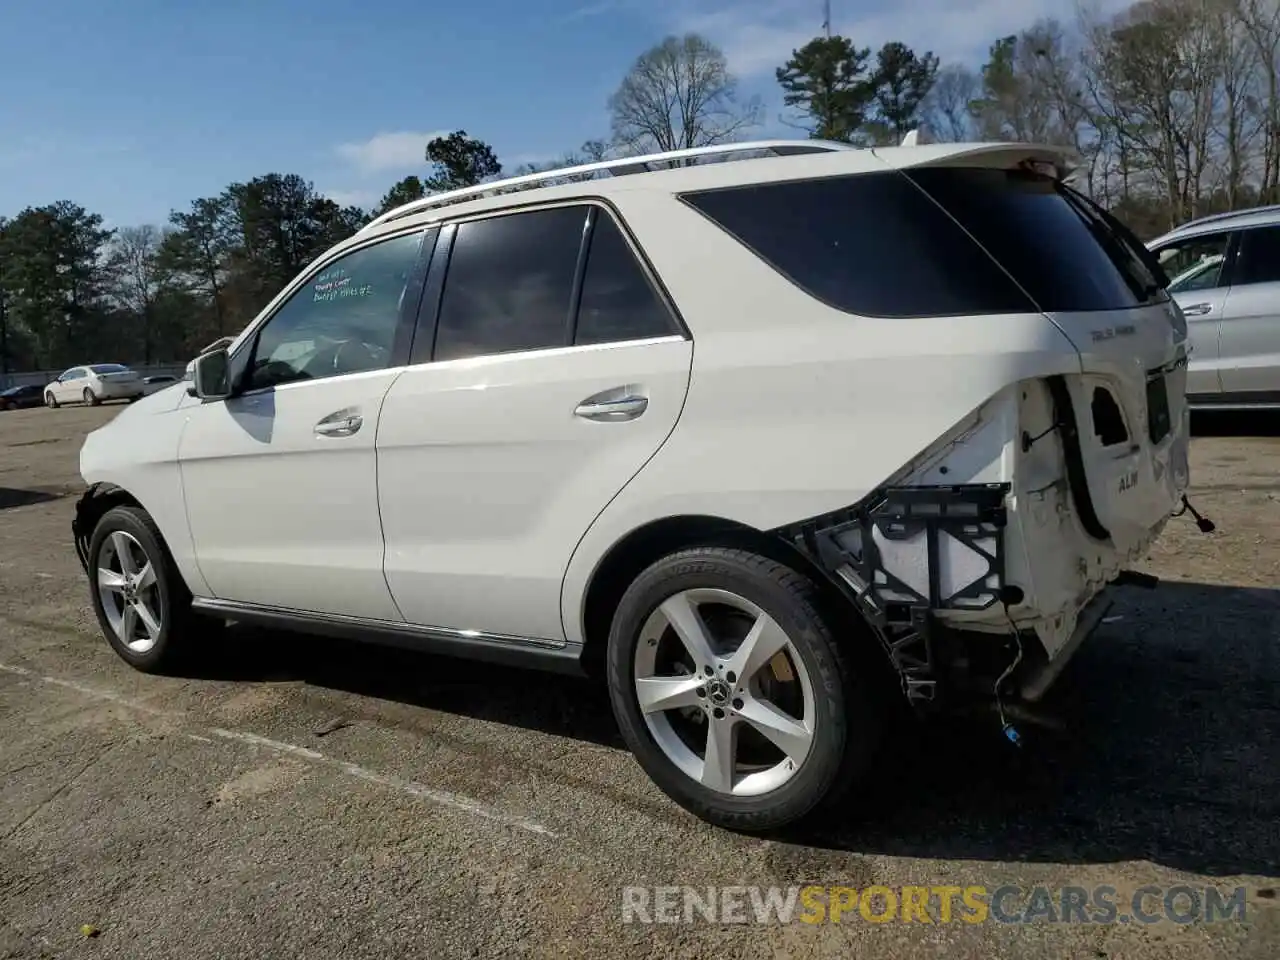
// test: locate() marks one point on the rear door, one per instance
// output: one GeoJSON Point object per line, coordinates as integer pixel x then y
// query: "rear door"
{"type": "Point", "coordinates": [1198, 268]}
{"type": "Point", "coordinates": [548, 369]}
{"type": "Point", "coordinates": [1250, 337]}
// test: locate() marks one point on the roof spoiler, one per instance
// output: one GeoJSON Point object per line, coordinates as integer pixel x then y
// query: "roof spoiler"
{"type": "Point", "coordinates": [921, 151]}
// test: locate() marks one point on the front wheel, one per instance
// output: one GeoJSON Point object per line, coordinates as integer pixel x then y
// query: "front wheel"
{"type": "Point", "coordinates": [138, 595]}
{"type": "Point", "coordinates": [50, 400]}
{"type": "Point", "coordinates": [731, 690]}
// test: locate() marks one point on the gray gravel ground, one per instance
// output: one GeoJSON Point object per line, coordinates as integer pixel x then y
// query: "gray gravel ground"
{"type": "Point", "coordinates": [299, 797]}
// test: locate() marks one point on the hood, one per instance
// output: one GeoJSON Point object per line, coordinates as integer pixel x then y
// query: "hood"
{"type": "Point", "coordinates": [162, 401]}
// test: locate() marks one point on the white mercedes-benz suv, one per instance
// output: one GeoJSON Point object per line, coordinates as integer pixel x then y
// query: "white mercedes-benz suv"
{"type": "Point", "coordinates": [772, 446]}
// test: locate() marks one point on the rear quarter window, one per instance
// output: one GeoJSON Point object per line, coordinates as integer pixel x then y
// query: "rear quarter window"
{"type": "Point", "coordinates": [872, 244]}
{"type": "Point", "coordinates": [1057, 246]}
{"type": "Point", "coordinates": [897, 244]}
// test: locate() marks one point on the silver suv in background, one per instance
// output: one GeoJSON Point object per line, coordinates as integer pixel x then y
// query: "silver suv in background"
{"type": "Point", "coordinates": [1226, 279]}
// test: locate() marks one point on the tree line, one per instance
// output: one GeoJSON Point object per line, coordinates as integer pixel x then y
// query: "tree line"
{"type": "Point", "coordinates": [1172, 105]}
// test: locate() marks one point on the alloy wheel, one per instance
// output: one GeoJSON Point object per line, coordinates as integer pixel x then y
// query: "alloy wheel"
{"type": "Point", "coordinates": [129, 591]}
{"type": "Point", "coordinates": [724, 692]}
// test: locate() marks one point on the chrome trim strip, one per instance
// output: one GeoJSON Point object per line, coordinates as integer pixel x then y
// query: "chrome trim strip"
{"type": "Point", "coordinates": [233, 608]}
{"type": "Point", "coordinates": [490, 359]}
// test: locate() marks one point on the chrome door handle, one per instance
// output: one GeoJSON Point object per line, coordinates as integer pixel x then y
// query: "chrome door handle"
{"type": "Point", "coordinates": [341, 424]}
{"type": "Point", "coordinates": [609, 411]}
{"type": "Point", "coordinates": [1197, 309]}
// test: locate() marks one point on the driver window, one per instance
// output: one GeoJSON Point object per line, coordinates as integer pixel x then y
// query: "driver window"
{"type": "Point", "coordinates": [343, 320]}
{"type": "Point", "coordinates": [1195, 263]}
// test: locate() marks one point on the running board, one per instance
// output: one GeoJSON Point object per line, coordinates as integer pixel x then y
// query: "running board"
{"type": "Point", "coordinates": [556, 656]}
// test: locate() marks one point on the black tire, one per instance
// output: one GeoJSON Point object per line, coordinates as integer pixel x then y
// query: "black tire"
{"type": "Point", "coordinates": [91, 398]}
{"type": "Point", "coordinates": [849, 712]}
{"type": "Point", "coordinates": [178, 622]}
{"type": "Point", "coordinates": [50, 401]}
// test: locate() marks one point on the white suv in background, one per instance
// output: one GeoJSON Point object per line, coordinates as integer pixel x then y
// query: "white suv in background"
{"type": "Point", "coordinates": [1226, 271]}
{"type": "Point", "coordinates": [94, 383]}
{"type": "Point", "coordinates": [764, 444]}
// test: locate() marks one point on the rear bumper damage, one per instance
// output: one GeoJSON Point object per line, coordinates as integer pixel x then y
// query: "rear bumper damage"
{"type": "Point", "coordinates": [984, 588]}
{"type": "Point", "coordinates": [941, 666]}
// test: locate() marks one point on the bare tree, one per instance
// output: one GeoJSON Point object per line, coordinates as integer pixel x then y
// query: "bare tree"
{"type": "Point", "coordinates": [1239, 124]}
{"type": "Point", "coordinates": [131, 262]}
{"type": "Point", "coordinates": [947, 107]}
{"type": "Point", "coordinates": [1259, 21]}
{"type": "Point", "coordinates": [1155, 79]}
{"type": "Point", "coordinates": [677, 95]}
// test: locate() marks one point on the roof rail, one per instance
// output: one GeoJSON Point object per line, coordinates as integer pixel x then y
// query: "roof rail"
{"type": "Point", "coordinates": [1230, 215]}
{"type": "Point", "coordinates": [614, 168]}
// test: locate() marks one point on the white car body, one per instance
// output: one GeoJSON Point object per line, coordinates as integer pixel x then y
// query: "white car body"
{"type": "Point", "coordinates": [461, 504]}
{"type": "Point", "coordinates": [1228, 287]}
{"type": "Point", "coordinates": [100, 381]}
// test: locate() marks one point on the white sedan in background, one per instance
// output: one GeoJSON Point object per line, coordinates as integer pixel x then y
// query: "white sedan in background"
{"type": "Point", "coordinates": [94, 383]}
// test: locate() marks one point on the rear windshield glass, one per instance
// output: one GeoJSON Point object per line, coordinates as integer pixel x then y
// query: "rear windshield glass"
{"type": "Point", "coordinates": [883, 244]}
{"type": "Point", "coordinates": [108, 368]}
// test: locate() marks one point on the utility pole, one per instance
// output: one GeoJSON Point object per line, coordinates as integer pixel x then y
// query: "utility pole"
{"type": "Point", "coordinates": [826, 18]}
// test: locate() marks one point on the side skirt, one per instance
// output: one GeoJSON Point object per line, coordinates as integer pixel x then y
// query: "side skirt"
{"type": "Point", "coordinates": [530, 652]}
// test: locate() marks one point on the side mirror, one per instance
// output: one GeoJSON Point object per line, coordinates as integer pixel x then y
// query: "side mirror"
{"type": "Point", "coordinates": [211, 375]}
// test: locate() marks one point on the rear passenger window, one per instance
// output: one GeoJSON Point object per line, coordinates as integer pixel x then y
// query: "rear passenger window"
{"type": "Point", "coordinates": [1259, 258]}
{"type": "Point", "coordinates": [618, 301]}
{"type": "Point", "coordinates": [873, 244]}
{"type": "Point", "coordinates": [509, 285]}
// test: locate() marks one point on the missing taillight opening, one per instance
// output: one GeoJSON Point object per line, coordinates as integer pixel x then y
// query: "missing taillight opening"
{"type": "Point", "coordinates": [1108, 421]}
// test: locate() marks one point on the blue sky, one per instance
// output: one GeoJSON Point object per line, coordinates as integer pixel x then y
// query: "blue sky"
{"type": "Point", "coordinates": [134, 107]}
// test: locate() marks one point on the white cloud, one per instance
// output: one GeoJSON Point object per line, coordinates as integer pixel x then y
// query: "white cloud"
{"type": "Point", "coordinates": [399, 150]}
{"type": "Point", "coordinates": [588, 10]}
{"type": "Point", "coordinates": [757, 36]}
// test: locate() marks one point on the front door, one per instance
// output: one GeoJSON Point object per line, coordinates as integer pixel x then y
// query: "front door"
{"type": "Point", "coordinates": [280, 481]}
{"type": "Point", "coordinates": [1199, 270]}
{"type": "Point", "coordinates": [1250, 339]}
{"type": "Point", "coordinates": [500, 448]}
{"type": "Point", "coordinates": [70, 386]}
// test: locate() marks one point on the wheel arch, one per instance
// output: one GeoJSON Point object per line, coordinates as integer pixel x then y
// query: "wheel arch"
{"type": "Point", "coordinates": [92, 507]}
{"type": "Point", "coordinates": [647, 544]}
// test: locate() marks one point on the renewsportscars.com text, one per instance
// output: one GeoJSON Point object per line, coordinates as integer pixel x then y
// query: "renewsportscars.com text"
{"type": "Point", "coordinates": [815, 904]}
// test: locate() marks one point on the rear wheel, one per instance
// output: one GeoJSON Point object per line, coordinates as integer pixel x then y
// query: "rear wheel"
{"type": "Point", "coordinates": [142, 604]}
{"type": "Point", "coordinates": [50, 400]}
{"type": "Point", "coordinates": [730, 688]}
{"type": "Point", "coordinates": [91, 398]}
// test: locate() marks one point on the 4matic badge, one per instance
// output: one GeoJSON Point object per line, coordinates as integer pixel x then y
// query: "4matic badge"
{"type": "Point", "coordinates": [1110, 333]}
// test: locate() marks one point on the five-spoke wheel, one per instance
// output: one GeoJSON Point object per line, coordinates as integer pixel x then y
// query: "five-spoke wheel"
{"type": "Point", "coordinates": [128, 591]}
{"type": "Point", "coordinates": [724, 692]}
{"type": "Point", "coordinates": [141, 602]}
{"type": "Point", "coordinates": [732, 691]}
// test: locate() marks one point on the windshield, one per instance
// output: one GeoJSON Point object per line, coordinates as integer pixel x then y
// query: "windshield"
{"type": "Point", "coordinates": [109, 368]}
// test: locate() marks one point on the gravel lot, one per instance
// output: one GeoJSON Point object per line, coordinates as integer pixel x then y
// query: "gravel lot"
{"type": "Point", "coordinates": [302, 797]}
